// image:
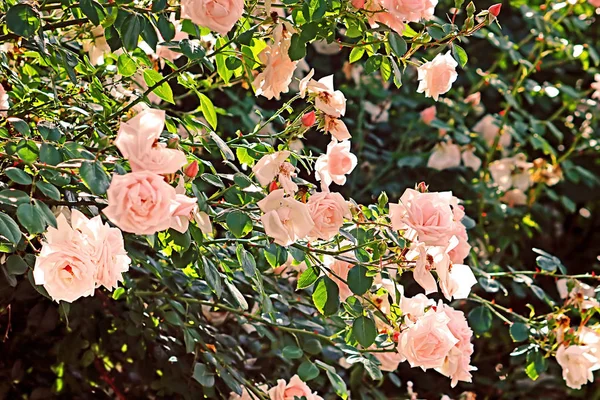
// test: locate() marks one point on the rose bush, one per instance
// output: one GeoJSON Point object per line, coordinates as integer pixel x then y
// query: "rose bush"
{"type": "Point", "coordinates": [227, 199]}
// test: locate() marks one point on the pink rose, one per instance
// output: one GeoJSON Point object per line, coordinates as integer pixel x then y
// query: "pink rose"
{"type": "Point", "coordinates": [143, 203]}
{"type": "Point", "coordinates": [296, 388]}
{"type": "Point", "coordinates": [436, 77]}
{"type": "Point", "coordinates": [137, 140]}
{"type": "Point", "coordinates": [267, 168]}
{"type": "Point", "coordinates": [338, 272]}
{"type": "Point", "coordinates": [335, 164]}
{"type": "Point", "coordinates": [329, 101]}
{"type": "Point", "coordinates": [514, 197]}
{"type": "Point", "coordinates": [415, 10]}
{"type": "Point", "coordinates": [423, 266]}
{"type": "Point", "coordinates": [165, 52]}
{"type": "Point", "coordinates": [427, 343]}
{"type": "Point", "coordinates": [337, 128]}
{"type": "Point", "coordinates": [445, 155]}
{"type": "Point", "coordinates": [469, 158]}
{"type": "Point", "coordinates": [432, 215]}
{"type": "Point", "coordinates": [203, 221]}
{"type": "Point", "coordinates": [246, 395]}
{"type": "Point", "coordinates": [279, 68]}
{"type": "Point", "coordinates": [596, 84]}
{"type": "Point", "coordinates": [595, 3]}
{"type": "Point", "coordinates": [512, 172]}
{"type": "Point", "coordinates": [457, 366]}
{"type": "Point", "coordinates": [104, 245]}
{"type": "Point", "coordinates": [217, 15]}
{"type": "Point", "coordinates": [286, 220]}
{"type": "Point", "coordinates": [327, 211]}
{"type": "Point", "coordinates": [414, 307]}
{"type": "Point", "coordinates": [185, 210]}
{"type": "Point", "coordinates": [384, 11]}
{"type": "Point", "coordinates": [428, 115]}
{"type": "Point", "coordinates": [581, 294]}
{"type": "Point", "coordinates": [577, 363]}
{"type": "Point", "coordinates": [488, 128]}
{"type": "Point", "coordinates": [3, 101]}
{"type": "Point", "coordinates": [389, 360]}
{"type": "Point", "coordinates": [459, 252]}
{"type": "Point", "coordinates": [473, 99]}
{"type": "Point", "coordinates": [286, 172]}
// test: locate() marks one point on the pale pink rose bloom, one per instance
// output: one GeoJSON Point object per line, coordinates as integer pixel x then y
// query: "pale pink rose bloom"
{"type": "Point", "coordinates": [143, 203]}
{"type": "Point", "coordinates": [63, 267]}
{"type": "Point", "coordinates": [414, 307]}
{"type": "Point", "coordinates": [591, 339]}
{"type": "Point", "coordinates": [339, 274]}
{"type": "Point", "coordinates": [286, 220]}
{"type": "Point", "coordinates": [415, 10]}
{"type": "Point", "coordinates": [215, 318]}
{"type": "Point", "coordinates": [421, 273]}
{"type": "Point", "coordinates": [268, 167]}
{"type": "Point", "coordinates": [185, 210]}
{"type": "Point", "coordinates": [279, 68]}
{"type": "Point", "coordinates": [203, 221]}
{"type": "Point", "coordinates": [474, 99]}
{"type": "Point", "coordinates": [595, 3]}
{"type": "Point", "coordinates": [514, 197]}
{"type": "Point", "coordinates": [428, 114]}
{"type": "Point", "coordinates": [332, 102]}
{"type": "Point", "coordinates": [335, 164]}
{"type": "Point", "coordinates": [459, 252]}
{"type": "Point", "coordinates": [337, 128]}
{"type": "Point", "coordinates": [436, 77]}
{"type": "Point", "coordinates": [165, 52]}
{"type": "Point", "coordinates": [217, 15]}
{"type": "Point", "coordinates": [577, 363]}
{"type": "Point", "coordinates": [104, 245]}
{"type": "Point", "coordinates": [458, 282]}
{"type": "Point", "coordinates": [96, 47]}
{"type": "Point", "coordinates": [295, 388]}
{"type": "Point", "coordinates": [327, 211]}
{"type": "Point", "coordinates": [427, 343]}
{"type": "Point", "coordinates": [137, 140]}
{"type": "Point", "coordinates": [445, 155]}
{"type": "Point", "coordinates": [389, 360]}
{"type": "Point", "coordinates": [432, 215]}
{"type": "Point", "coordinates": [469, 158]}
{"type": "Point", "coordinates": [459, 327]}
{"type": "Point", "coordinates": [581, 295]}
{"type": "Point", "coordinates": [3, 101]}
{"type": "Point", "coordinates": [596, 84]}
{"type": "Point", "coordinates": [384, 11]}
{"type": "Point", "coordinates": [457, 367]}
{"type": "Point", "coordinates": [488, 128]}
{"type": "Point", "coordinates": [512, 172]}
{"type": "Point", "coordinates": [286, 172]}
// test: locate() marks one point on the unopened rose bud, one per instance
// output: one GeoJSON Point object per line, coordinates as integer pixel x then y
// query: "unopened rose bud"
{"type": "Point", "coordinates": [308, 119]}
{"type": "Point", "coordinates": [495, 9]}
{"type": "Point", "coordinates": [273, 186]}
{"type": "Point", "coordinates": [191, 170]}
{"type": "Point", "coordinates": [173, 142]}
{"type": "Point", "coordinates": [422, 187]}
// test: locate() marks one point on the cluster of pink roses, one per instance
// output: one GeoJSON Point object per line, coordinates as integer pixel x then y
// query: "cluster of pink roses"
{"type": "Point", "coordinates": [288, 220]}
{"type": "Point", "coordinates": [141, 201]}
{"type": "Point", "coordinates": [294, 389]}
{"type": "Point", "coordinates": [77, 258]}
{"type": "Point", "coordinates": [395, 13]}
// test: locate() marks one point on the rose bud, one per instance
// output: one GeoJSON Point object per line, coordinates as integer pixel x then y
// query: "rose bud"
{"type": "Point", "coordinates": [273, 186]}
{"type": "Point", "coordinates": [191, 170]}
{"type": "Point", "coordinates": [495, 9]}
{"type": "Point", "coordinates": [308, 119]}
{"type": "Point", "coordinates": [173, 142]}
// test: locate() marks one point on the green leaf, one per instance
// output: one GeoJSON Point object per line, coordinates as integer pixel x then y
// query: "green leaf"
{"type": "Point", "coordinates": [358, 281]}
{"type": "Point", "coordinates": [23, 20]}
{"type": "Point", "coordinates": [460, 55]}
{"type": "Point", "coordinates": [326, 296]}
{"type": "Point", "coordinates": [27, 150]}
{"type": "Point", "coordinates": [356, 54]}
{"type": "Point", "coordinates": [203, 376]}
{"type": "Point", "coordinates": [21, 126]}
{"type": "Point", "coordinates": [15, 265]}
{"type": "Point", "coordinates": [308, 371]}
{"type": "Point", "coordinates": [373, 64]}
{"type": "Point", "coordinates": [166, 28]}
{"type": "Point", "coordinates": [31, 218]}
{"type": "Point", "coordinates": [246, 260]}
{"type": "Point", "coordinates": [191, 50]}
{"type": "Point", "coordinates": [338, 384]}
{"type": "Point", "coordinates": [126, 65]}
{"type": "Point", "coordinates": [208, 110]}
{"type": "Point", "coordinates": [292, 352]}
{"type": "Point", "coordinates": [519, 332]}
{"type": "Point", "coordinates": [9, 229]}
{"type": "Point", "coordinates": [13, 197]}
{"type": "Point", "coordinates": [49, 190]}
{"type": "Point", "coordinates": [118, 293]}
{"type": "Point", "coordinates": [89, 9]}
{"type": "Point", "coordinates": [130, 32]}
{"type": "Point", "coordinates": [158, 5]}
{"type": "Point", "coordinates": [18, 176]}
{"type": "Point", "coordinates": [480, 320]}
{"type": "Point", "coordinates": [307, 278]}
{"type": "Point", "coordinates": [364, 331]}
{"type": "Point", "coordinates": [213, 180]}
{"type": "Point", "coordinates": [50, 154]}
{"type": "Point", "coordinates": [536, 364]}
{"type": "Point", "coordinates": [213, 278]}
{"type": "Point", "coordinates": [297, 48]}
{"type": "Point", "coordinates": [239, 223]}
{"type": "Point", "coordinates": [95, 178]}
{"type": "Point", "coordinates": [227, 152]}
{"type": "Point", "coordinates": [312, 346]}
{"type": "Point", "coordinates": [152, 77]}
{"type": "Point", "coordinates": [398, 44]}
{"type": "Point", "coordinates": [48, 217]}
